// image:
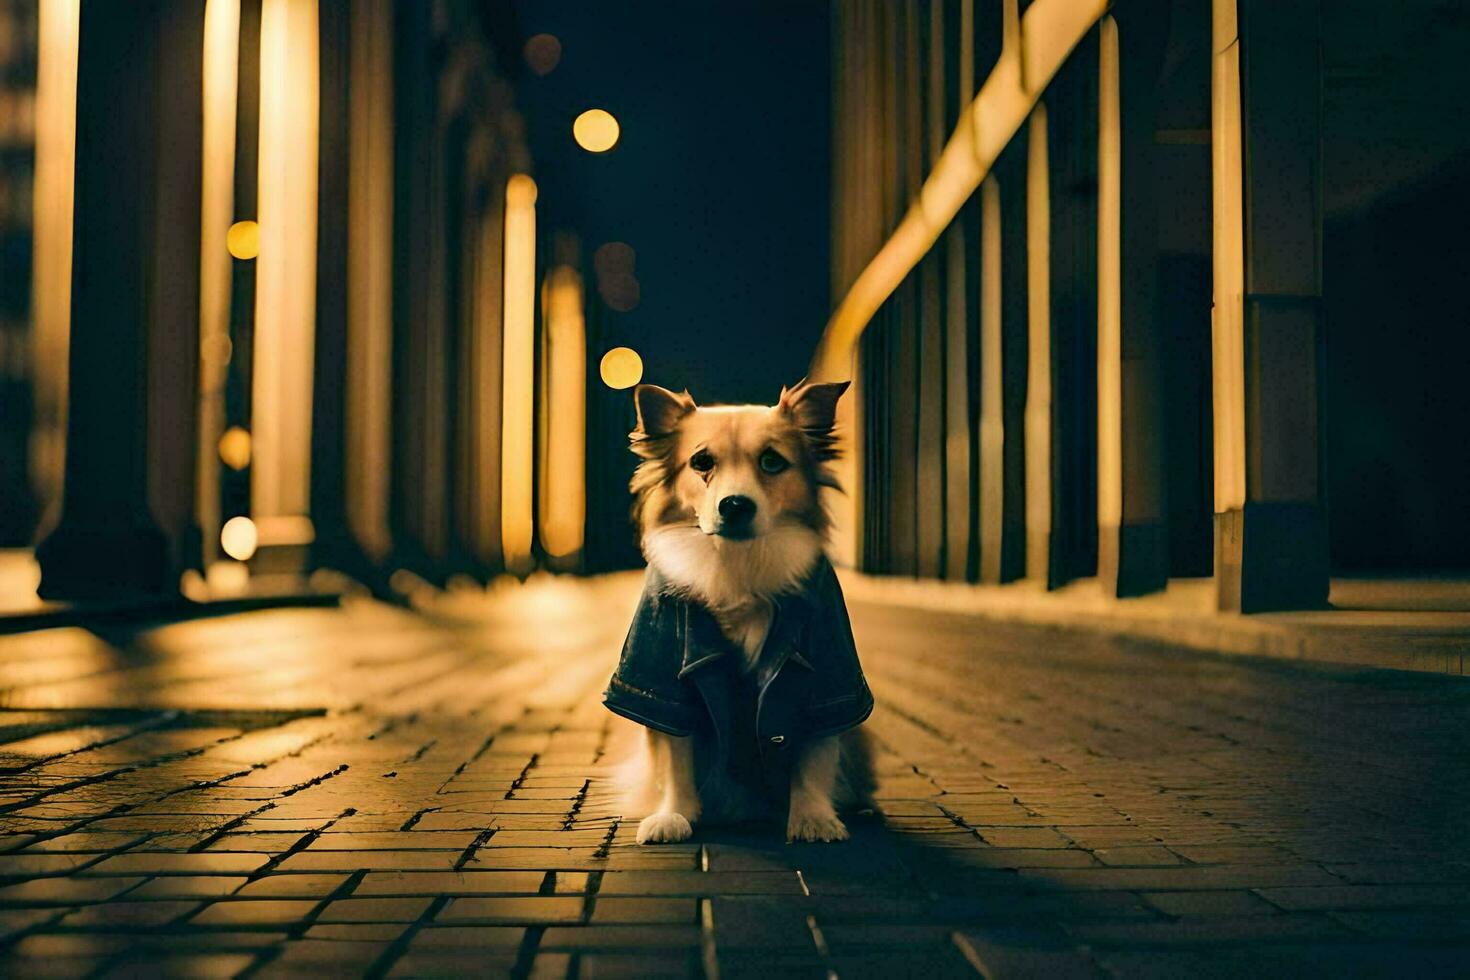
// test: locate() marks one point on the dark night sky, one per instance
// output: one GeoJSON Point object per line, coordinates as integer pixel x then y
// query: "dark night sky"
{"type": "Point", "coordinates": [720, 180]}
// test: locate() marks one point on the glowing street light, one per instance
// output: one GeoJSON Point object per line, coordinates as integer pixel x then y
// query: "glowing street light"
{"type": "Point", "coordinates": [243, 239]}
{"type": "Point", "coordinates": [596, 130]}
{"type": "Point", "coordinates": [239, 538]}
{"type": "Point", "coordinates": [234, 448]}
{"type": "Point", "coordinates": [621, 368]}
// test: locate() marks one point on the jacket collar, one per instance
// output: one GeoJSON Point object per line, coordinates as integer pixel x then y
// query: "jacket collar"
{"type": "Point", "coordinates": [705, 642]}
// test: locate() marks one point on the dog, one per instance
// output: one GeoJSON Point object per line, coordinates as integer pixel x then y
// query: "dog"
{"type": "Point", "coordinates": [740, 662]}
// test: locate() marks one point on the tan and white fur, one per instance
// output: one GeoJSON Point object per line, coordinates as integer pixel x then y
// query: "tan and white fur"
{"type": "Point", "coordinates": [727, 502]}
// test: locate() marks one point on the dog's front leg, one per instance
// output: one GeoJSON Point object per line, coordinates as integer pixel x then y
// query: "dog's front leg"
{"type": "Point", "coordinates": [812, 816]}
{"type": "Point", "coordinates": [678, 807]}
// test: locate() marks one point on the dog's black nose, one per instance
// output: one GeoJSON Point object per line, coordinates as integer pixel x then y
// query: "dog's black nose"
{"type": "Point", "coordinates": [737, 509]}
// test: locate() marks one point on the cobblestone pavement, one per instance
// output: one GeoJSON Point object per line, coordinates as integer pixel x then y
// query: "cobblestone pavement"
{"type": "Point", "coordinates": [369, 791]}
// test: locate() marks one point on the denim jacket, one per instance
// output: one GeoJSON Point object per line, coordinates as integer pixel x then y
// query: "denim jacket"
{"type": "Point", "coordinates": [675, 673]}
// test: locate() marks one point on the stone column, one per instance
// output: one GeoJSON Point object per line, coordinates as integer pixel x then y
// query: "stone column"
{"type": "Point", "coordinates": [333, 545]}
{"type": "Point", "coordinates": [127, 501]}
{"type": "Point", "coordinates": [1133, 553]}
{"type": "Point", "coordinates": [1270, 523]}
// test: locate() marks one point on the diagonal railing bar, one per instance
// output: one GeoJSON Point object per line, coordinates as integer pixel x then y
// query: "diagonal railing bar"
{"type": "Point", "coordinates": [1033, 50]}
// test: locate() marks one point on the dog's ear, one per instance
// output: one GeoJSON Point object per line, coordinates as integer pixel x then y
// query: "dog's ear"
{"type": "Point", "coordinates": [659, 410]}
{"type": "Point", "coordinates": [813, 408]}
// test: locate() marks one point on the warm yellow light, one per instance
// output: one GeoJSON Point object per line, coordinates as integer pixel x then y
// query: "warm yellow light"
{"type": "Point", "coordinates": [1109, 282]}
{"type": "Point", "coordinates": [285, 283]}
{"type": "Point", "coordinates": [621, 368]}
{"type": "Point", "coordinates": [216, 261]}
{"type": "Point", "coordinates": [234, 448]}
{"type": "Point", "coordinates": [596, 130]}
{"type": "Point", "coordinates": [58, 25]}
{"type": "Point", "coordinates": [243, 239]}
{"type": "Point", "coordinates": [238, 538]}
{"type": "Point", "coordinates": [563, 487]}
{"type": "Point", "coordinates": [518, 352]}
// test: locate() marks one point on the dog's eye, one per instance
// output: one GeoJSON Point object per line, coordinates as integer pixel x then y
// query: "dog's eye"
{"type": "Point", "coordinates": [773, 462]}
{"type": "Point", "coordinates": [701, 462]}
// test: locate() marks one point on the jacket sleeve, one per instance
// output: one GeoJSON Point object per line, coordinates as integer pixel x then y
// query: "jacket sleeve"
{"type": "Point", "coordinates": [646, 687]}
{"type": "Point", "coordinates": [846, 702]}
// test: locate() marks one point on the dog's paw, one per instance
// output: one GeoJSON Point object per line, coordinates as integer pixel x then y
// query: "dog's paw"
{"type": "Point", "coordinates": [664, 828]}
{"type": "Point", "coordinates": [815, 828]}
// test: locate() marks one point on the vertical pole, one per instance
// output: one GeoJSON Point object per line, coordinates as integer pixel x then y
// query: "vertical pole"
{"type": "Point", "coordinates": [368, 421]}
{"type": "Point", "coordinates": [958, 504]}
{"type": "Point", "coordinates": [333, 545]}
{"type": "Point", "coordinates": [285, 295]}
{"type": "Point", "coordinates": [55, 169]}
{"type": "Point", "coordinates": [221, 96]}
{"type": "Point", "coordinates": [992, 422]}
{"type": "Point", "coordinates": [488, 398]}
{"type": "Point", "coordinates": [1038, 353]}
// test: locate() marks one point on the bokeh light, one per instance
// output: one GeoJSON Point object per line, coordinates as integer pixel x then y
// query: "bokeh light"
{"type": "Point", "coordinates": [620, 291]}
{"type": "Point", "coordinates": [243, 239]}
{"type": "Point", "coordinates": [234, 448]}
{"type": "Point", "coordinates": [616, 283]}
{"type": "Point", "coordinates": [621, 368]}
{"type": "Point", "coordinates": [596, 130]}
{"type": "Point", "coordinates": [614, 258]}
{"type": "Point", "coordinates": [542, 53]}
{"type": "Point", "coordinates": [239, 538]}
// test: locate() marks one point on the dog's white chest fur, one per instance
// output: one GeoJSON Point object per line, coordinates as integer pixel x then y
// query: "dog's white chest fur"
{"type": "Point", "coordinates": [746, 626]}
{"type": "Point", "coordinates": [735, 580]}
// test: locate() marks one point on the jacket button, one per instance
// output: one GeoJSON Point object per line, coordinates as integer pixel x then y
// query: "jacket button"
{"type": "Point", "coordinates": [777, 739]}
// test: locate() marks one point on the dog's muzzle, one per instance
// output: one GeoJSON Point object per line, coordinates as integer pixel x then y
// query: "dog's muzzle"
{"type": "Point", "coordinates": [737, 517]}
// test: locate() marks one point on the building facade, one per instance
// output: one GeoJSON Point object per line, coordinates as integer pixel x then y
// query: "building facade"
{"type": "Point", "coordinates": [1107, 283]}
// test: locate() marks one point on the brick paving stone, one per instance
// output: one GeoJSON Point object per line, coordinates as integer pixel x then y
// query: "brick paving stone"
{"type": "Point", "coordinates": [65, 891]}
{"type": "Point", "coordinates": [1222, 903]}
{"type": "Point", "coordinates": [125, 914]}
{"type": "Point", "coordinates": [417, 840]}
{"type": "Point", "coordinates": [1137, 857]}
{"type": "Point", "coordinates": [182, 886]}
{"type": "Point", "coordinates": [662, 936]}
{"type": "Point", "coordinates": [504, 937]}
{"type": "Point", "coordinates": [451, 883]}
{"type": "Point", "coordinates": [371, 860]}
{"type": "Point", "coordinates": [308, 957]}
{"type": "Point", "coordinates": [518, 910]}
{"type": "Point", "coordinates": [87, 842]}
{"type": "Point", "coordinates": [38, 865]}
{"type": "Point", "coordinates": [264, 842]}
{"type": "Point", "coordinates": [374, 910]}
{"type": "Point", "coordinates": [453, 962]}
{"type": "Point", "coordinates": [178, 864]}
{"type": "Point", "coordinates": [292, 886]}
{"type": "Point", "coordinates": [635, 966]}
{"type": "Point", "coordinates": [700, 883]}
{"type": "Point", "coordinates": [186, 965]}
{"type": "Point", "coordinates": [266, 912]}
{"type": "Point", "coordinates": [620, 911]}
